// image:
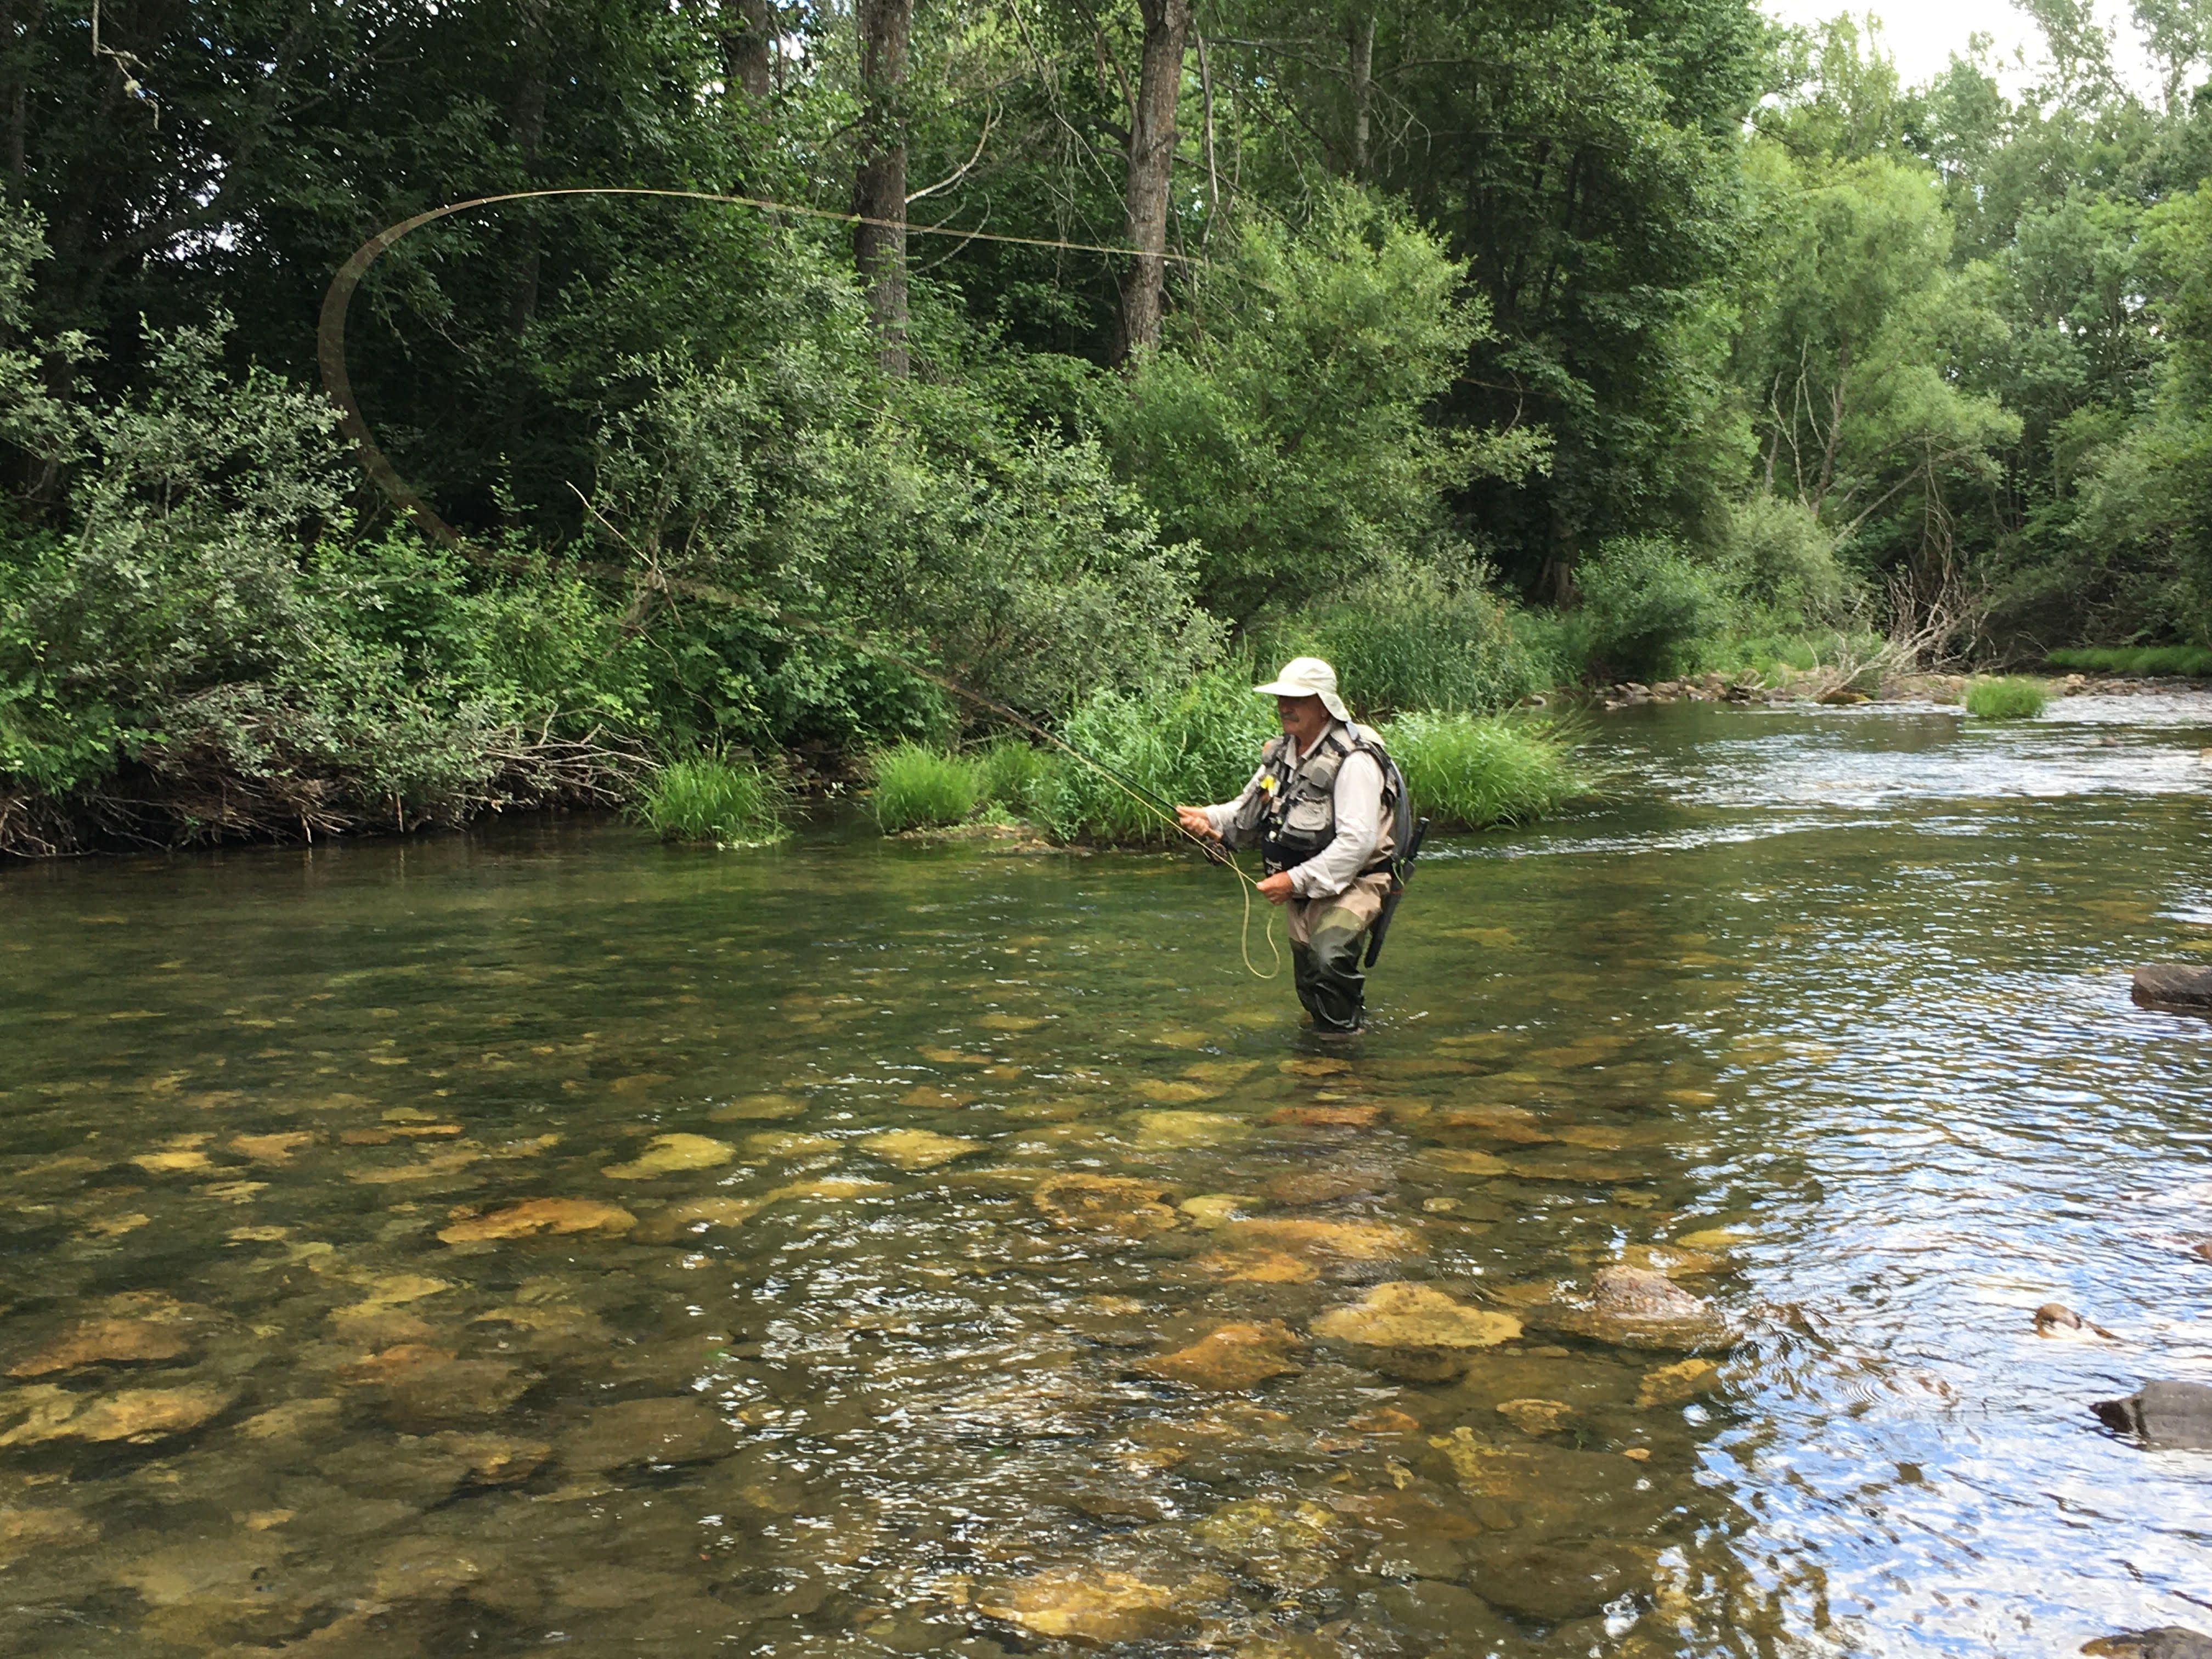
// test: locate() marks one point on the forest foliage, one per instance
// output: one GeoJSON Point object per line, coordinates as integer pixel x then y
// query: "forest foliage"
{"type": "Point", "coordinates": [1483, 348]}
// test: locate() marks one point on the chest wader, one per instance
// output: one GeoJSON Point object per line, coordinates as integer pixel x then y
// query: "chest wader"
{"type": "Point", "coordinates": [1294, 819]}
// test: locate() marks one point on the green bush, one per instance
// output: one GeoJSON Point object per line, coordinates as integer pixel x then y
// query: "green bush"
{"type": "Point", "coordinates": [1009, 774]}
{"type": "Point", "coordinates": [1472, 771]}
{"type": "Point", "coordinates": [918, 787]}
{"type": "Point", "coordinates": [1415, 640]}
{"type": "Point", "coordinates": [2007, 698]}
{"type": "Point", "coordinates": [2194, 660]}
{"type": "Point", "coordinates": [1190, 745]}
{"type": "Point", "coordinates": [1780, 560]}
{"type": "Point", "coordinates": [1646, 609]}
{"type": "Point", "coordinates": [712, 797]}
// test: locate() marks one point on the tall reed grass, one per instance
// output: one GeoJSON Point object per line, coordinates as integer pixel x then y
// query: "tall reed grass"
{"type": "Point", "coordinates": [919, 787]}
{"type": "Point", "coordinates": [1471, 771]}
{"type": "Point", "coordinates": [2006, 697]}
{"type": "Point", "coordinates": [1010, 773]}
{"type": "Point", "coordinates": [1192, 743]}
{"type": "Point", "coordinates": [2195, 660]}
{"type": "Point", "coordinates": [714, 798]}
{"type": "Point", "coordinates": [1415, 642]}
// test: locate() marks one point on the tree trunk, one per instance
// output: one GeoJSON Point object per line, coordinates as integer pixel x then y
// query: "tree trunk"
{"type": "Point", "coordinates": [749, 48]}
{"type": "Point", "coordinates": [526, 127]}
{"type": "Point", "coordinates": [1363, 91]}
{"type": "Point", "coordinates": [1152, 161]}
{"type": "Point", "coordinates": [879, 182]}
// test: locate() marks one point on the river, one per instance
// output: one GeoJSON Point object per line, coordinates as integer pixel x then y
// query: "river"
{"type": "Point", "coordinates": [545, 1239]}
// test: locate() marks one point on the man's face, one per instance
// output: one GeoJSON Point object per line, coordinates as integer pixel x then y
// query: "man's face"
{"type": "Point", "coordinates": [1302, 717]}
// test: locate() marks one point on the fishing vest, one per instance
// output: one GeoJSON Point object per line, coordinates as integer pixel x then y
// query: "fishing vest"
{"type": "Point", "coordinates": [1293, 810]}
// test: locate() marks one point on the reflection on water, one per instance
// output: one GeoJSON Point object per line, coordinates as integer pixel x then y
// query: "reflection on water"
{"type": "Point", "coordinates": [549, 1239]}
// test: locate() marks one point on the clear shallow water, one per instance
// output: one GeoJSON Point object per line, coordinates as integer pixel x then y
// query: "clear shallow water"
{"type": "Point", "coordinates": [1839, 999]}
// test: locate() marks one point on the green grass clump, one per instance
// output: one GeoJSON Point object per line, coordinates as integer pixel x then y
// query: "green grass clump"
{"type": "Point", "coordinates": [1188, 744]}
{"type": "Point", "coordinates": [713, 798]}
{"type": "Point", "coordinates": [918, 787]}
{"type": "Point", "coordinates": [1469, 771]}
{"type": "Point", "coordinates": [2007, 698]}
{"type": "Point", "coordinates": [1009, 774]}
{"type": "Point", "coordinates": [1413, 641]}
{"type": "Point", "coordinates": [2194, 660]}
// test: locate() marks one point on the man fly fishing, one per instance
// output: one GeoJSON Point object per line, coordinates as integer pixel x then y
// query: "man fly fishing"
{"type": "Point", "coordinates": [1330, 814]}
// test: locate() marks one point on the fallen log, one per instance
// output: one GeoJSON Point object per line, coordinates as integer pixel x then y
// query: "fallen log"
{"type": "Point", "coordinates": [2175, 985]}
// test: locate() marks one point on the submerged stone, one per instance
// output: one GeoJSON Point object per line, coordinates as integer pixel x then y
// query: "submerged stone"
{"type": "Point", "coordinates": [1343, 1241]}
{"type": "Point", "coordinates": [672, 1155]}
{"type": "Point", "coordinates": [1635, 1308]}
{"type": "Point", "coordinates": [1256, 1266]}
{"type": "Point", "coordinates": [495, 1460]}
{"type": "Point", "coordinates": [919, 1149]}
{"type": "Point", "coordinates": [1311, 1187]}
{"type": "Point", "coordinates": [1676, 1384]}
{"type": "Point", "coordinates": [1556, 1581]}
{"type": "Point", "coordinates": [1459, 1160]}
{"type": "Point", "coordinates": [1284, 1544]}
{"type": "Point", "coordinates": [1326, 1117]}
{"type": "Point", "coordinates": [1211, 1210]}
{"type": "Point", "coordinates": [137, 1416]}
{"type": "Point", "coordinates": [677, 1429]}
{"type": "Point", "coordinates": [1230, 1357]}
{"type": "Point", "coordinates": [1674, 1262]}
{"type": "Point", "coordinates": [1078, 1602]}
{"type": "Point", "coordinates": [1105, 1203]}
{"type": "Point", "coordinates": [425, 1387]}
{"type": "Point", "coordinates": [540, 1215]}
{"type": "Point", "coordinates": [695, 1216]}
{"type": "Point", "coordinates": [26, 1532]}
{"type": "Point", "coordinates": [1405, 1314]}
{"type": "Point", "coordinates": [1174, 1131]}
{"type": "Point", "coordinates": [106, 1341]}
{"type": "Point", "coordinates": [1535, 1416]}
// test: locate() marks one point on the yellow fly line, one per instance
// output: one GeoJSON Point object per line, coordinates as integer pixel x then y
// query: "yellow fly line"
{"type": "Point", "coordinates": [330, 353]}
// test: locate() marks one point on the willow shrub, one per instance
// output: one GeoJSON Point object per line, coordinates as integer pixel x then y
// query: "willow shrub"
{"type": "Point", "coordinates": [710, 798]}
{"type": "Point", "coordinates": [2007, 698]}
{"type": "Point", "coordinates": [1414, 641]}
{"type": "Point", "coordinates": [1470, 771]}
{"type": "Point", "coordinates": [919, 787]}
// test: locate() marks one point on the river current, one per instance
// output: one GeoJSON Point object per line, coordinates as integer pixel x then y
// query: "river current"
{"type": "Point", "coordinates": [544, 1239]}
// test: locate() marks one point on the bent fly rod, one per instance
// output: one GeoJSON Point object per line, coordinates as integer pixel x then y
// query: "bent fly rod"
{"type": "Point", "coordinates": [338, 384]}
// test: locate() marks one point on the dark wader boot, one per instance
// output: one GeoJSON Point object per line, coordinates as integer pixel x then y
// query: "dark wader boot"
{"type": "Point", "coordinates": [1327, 938]}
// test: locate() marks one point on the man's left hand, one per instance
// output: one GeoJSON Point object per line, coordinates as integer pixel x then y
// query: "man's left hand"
{"type": "Point", "coordinates": [1276, 889]}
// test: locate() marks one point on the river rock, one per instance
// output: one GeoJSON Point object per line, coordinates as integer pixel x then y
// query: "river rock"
{"type": "Point", "coordinates": [1078, 1602]}
{"type": "Point", "coordinates": [106, 1341]}
{"type": "Point", "coordinates": [1536, 1416]}
{"type": "Point", "coordinates": [540, 1215]}
{"type": "Point", "coordinates": [2166, 1642]}
{"type": "Point", "coordinates": [495, 1460]}
{"type": "Point", "coordinates": [1256, 1266]}
{"type": "Point", "coordinates": [1460, 1160]}
{"type": "Point", "coordinates": [26, 1532]}
{"type": "Point", "coordinates": [919, 1149]}
{"type": "Point", "coordinates": [1211, 1210]}
{"type": "Point", "coordinates": [678, 1429]}
{"type": "Point", "coordinates": [137, 1416]}
{"type": "Point", "coordinates": [695, 1216]}
{"type": "Point", "coordinates": [1229, 1359]}
{"type": "Point", "coordinates": [1111, 1204]}
{"type": "Point", "coordinates": [1405, 1314]}
{"type": "Point", "coordinates": [1676, 1384]}
{"type": "Point", "coordinates": [1304, 1188]}
{"type": "Point", "coordinates": [1635, 1308]}
{"type": "Point", "coordinates": [425, 1387]}
{"type": "Point", "coordinates": [1338, 1241]}
{"type": "Point", "coordinates": [2163, 1415]}
{"type": "Point", "coordinates": [1175, 1131]}
{"type": "Point", "coordinates": [2174, 985]}
{"type": "Point", "coordinates": [1555, 1582]}
{"type": "Point", "coordinates": [1283, 1544]}
{"type": "Point", "coordinates": [672, 1155]}
{"type": "Point", "coordinates": [1326, 1117]}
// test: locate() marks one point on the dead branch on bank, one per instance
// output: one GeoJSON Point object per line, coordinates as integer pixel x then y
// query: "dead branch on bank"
{"type": "Point", "coordinates": [186, 795]}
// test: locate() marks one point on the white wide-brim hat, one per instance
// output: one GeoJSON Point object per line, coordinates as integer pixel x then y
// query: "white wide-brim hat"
{"type": "Point", "coordinates": [1307, 677]}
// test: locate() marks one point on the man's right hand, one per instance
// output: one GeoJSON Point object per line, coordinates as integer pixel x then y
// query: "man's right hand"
{"type": "Point", "coordinates": [1194, 819]}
